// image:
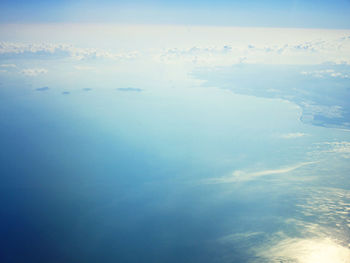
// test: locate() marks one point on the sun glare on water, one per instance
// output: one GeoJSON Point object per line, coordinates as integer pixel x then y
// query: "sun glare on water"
{"type": "Point", "coordinates": [309, 251]}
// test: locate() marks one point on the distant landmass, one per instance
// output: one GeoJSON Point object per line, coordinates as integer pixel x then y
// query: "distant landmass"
{"type": "Point", "coordinates": [322, 92]}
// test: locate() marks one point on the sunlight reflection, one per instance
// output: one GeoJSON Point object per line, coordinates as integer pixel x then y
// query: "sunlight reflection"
{"type": "Point", "coordinates": [309, 251]}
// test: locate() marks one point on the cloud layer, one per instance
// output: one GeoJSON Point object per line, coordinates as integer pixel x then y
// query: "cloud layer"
{"type": "Point", "coordinates": [33, 72]}
{"type": "Point", "coordinates": [58, 51]}
{"type": "Point", "coordinates": [241, 176]}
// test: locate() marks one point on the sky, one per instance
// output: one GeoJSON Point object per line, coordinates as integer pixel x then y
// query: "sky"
{"type": "Point", "coordinates": [300, 14]}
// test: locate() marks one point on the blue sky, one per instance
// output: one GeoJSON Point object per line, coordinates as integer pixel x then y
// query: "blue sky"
{"type": "Point", "coordinates": [304, 14]}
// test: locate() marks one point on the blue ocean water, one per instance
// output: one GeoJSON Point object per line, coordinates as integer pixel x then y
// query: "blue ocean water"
{"type": "Point", "coordinates": [110, 175]}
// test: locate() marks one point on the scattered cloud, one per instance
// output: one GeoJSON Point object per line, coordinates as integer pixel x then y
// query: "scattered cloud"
{"type": "Point", "coordinates": [319, 232]}
{"type": "Point", "coordinates": [324, 238]}
{"type": "Point", "coordinates": [331, 150]}
{"type": "Point", "coordinates": [225, 55]}
{"type": "Point", "coordinates": [239, 175]}
{"type": "Point", "coordinates": [328, 206]}
{"type": "Point", "coordinates": [327, 50]}
{"type": "Point", "coordinates": [326, 73]}
{"type": "Point", "coordinates": [311, 109]}
{"type": "Point", "coordinates": [300, 50]}
{"type": "Point", "coordinates": [53, 50]}
{"type": "Point", "coordinates": [226, 46]}
{"type": "Point", "coordinates": [33, 72]}
{"type": "Point", "coordinates": [340, 148]}
{"type": "Point", "coordinates": [293, 135]}
{"type": "Point", "coordinates": [7, 65]}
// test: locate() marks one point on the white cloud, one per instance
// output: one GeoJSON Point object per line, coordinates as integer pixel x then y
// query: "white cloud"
{"type": "Point", "coordinates": [335, 147]}
{"type": "Point", "coordinates": [326, 73]}
{"type": "Point", "coordinates": [204, 55]}
{"type": "Point", "coordinates": [239, 175]}
{"type": "Point", "coordinates": [339, 147]}
{"type": "Point", "coordinates": [7, 66]}
{"type": "Point", "coordinates": [311, 109]}
{"type": "Point", "coordinates": [32, 72]}
{"type": "Point", "coordinates": [55, 50]}
{"type": "Point", "coordinates": [300, 50]}
{"type": "Point", "coordinates": [194, 45]}
{"type": "Point", "coordinates": [293, 135]}
{"type": "Point", "coordinates": [326, 204]}
{"type": "Point", "coordinates": [206, 46]}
